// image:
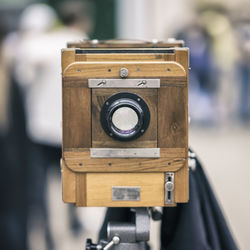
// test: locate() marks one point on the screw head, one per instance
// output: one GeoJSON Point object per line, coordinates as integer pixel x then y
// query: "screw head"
{"type": "Point", "coordinates": [169, 186]}
{"type": "Point", "coordinates": [116, 240]}
{"type": "Point", "coordinates": [123, 72]}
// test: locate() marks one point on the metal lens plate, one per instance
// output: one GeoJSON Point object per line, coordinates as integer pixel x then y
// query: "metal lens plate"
{"type": "Point", "coordinates": [125, 119]}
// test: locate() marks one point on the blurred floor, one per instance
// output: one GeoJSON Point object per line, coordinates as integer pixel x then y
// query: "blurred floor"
{"type": "Point", "coordinates": [224, 153]}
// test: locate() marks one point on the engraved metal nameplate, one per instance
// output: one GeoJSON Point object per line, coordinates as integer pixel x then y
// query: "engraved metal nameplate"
{"type": "Point", "coordinates": [124, 152]}
{"type": "Point", "coordinates": [122, 193]}
{"type": "Point", "coordinates": [124, 83]}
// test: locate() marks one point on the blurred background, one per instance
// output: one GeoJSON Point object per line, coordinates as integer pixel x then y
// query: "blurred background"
{"type": "Point", "coordinates": [32, 214]}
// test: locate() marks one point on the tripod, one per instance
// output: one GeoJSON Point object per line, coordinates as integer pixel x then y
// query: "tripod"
{"type": "Point", "coordinates": [128, 236]}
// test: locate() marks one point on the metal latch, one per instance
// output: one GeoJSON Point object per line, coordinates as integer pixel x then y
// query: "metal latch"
{"type": "Point", "coordinates": [169, 188]}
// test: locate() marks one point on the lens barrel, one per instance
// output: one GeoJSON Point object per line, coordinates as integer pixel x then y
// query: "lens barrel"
{"type": "Point", "coordinates": [125, 116]}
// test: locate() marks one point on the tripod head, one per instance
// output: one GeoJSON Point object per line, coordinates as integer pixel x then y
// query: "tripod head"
{"type": "Point", "coordinates": [130, 235]}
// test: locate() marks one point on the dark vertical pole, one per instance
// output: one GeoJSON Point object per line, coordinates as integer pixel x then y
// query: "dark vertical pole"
{"type": "Point", "coordinates": [104, 19]}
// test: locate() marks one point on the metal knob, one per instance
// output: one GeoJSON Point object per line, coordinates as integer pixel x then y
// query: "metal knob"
{"type": "Point", "coordinates": [169, 186]}
{"type": "Point", "coordinates": [123, 72]}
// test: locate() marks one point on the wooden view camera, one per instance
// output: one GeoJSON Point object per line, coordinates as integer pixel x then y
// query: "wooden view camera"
{"type": "Point", "coordinates": [125, 123]}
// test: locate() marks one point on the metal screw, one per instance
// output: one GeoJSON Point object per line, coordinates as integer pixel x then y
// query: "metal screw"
{"type": "Point", "coordinates": [115, 241]}
{"type": "Point", "coordinates": [169, 186]}
{"type": "Point", "coordinates": [123, 72]}
{"type": "Point", "coordinates": [143, 82]}
{"type": "Point", "coordinates": [103, 82]}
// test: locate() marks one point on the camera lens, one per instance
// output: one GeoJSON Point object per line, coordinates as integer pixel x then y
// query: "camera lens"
{"type": "Point", "coordinates": [125, 119]}
{"type": "Point", "coordinates": [125, 116]}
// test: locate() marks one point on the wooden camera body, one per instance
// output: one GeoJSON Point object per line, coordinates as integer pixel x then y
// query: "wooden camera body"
{"type": "Point", "coordinates": [125, 124]}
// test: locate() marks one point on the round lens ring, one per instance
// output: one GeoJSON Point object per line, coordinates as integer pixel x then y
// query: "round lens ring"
{"type": "Point", "coordinates": [124, 116]}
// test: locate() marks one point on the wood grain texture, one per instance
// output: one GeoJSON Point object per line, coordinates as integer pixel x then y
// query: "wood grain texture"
{"type": "Point", "coordinates": [99, 189]}
{"type": "Point", "coordinates": [101, 139]}
{"type": "Point", "coordinates": [112, 69]}
{"type": "Point", "coordinates": [182, 185]}
{"type": "Point", "coordinates": [68, 184]}
{"type": "Point", "coordinates": [76, 118]}
{"type": "Point", "coordinates": [113, 165]}
{"type": "Point", "coordinates": [81, 192]}
{"type": "Point", "coordinates": [182, 56]}
{"type": "Point", "coordinates": [172, 116]}
{"type": "Point", "coordinates": [68, 57]}
{"type": "Point", "coordinates": [170, 160]}
{"type": "Point", "coordinates": [119, 57]}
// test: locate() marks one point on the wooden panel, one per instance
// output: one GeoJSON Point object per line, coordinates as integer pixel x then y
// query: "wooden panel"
{"type": "Point", "coordinates": [174, 82]}
{"type": "Point", "coordinates": [68, 184]}
{"type": "Point", "coordinates": [75, 82]}
{"type": "Point", "coordinates": [101, 139]}
{"type": "Point", "coordinates": [173, 152]}
{"type": "Point", "coordinates": [172, 117]}
{"type": "Point", "coordinates": [169, 57]}
{"type": "Point", "coordinates": [170, 160]}
{"type": "Point", "coordinates": [119, 57]}
{"type": "Point", "coordinates": [125, 165]}
{"type": "Point", "coordinates": [81, 194]}
{"type": "Point", "coordinates": [181, 185]}
{"type": "Point", "coordinates": [76, 118]}
{"type": "Point", "coordinates": [68, 57]}
{"type": "Point", "coordinates": [182, 56]}
{"type": "Point", "coordinates": [136, 69]}
{"type": "Point", "coordinates": [99, 189]}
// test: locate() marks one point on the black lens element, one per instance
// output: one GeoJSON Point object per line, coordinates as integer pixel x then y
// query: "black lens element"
{"type": "Point", "coordinates": [125, 116]}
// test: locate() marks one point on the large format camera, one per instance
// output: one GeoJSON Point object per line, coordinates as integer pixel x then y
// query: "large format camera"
{"type": "Point", "coordinates": [125, 123]}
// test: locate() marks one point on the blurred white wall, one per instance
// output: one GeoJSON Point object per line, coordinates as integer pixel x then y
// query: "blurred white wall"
{"type": "Point", "coordinates": [151, 19]}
